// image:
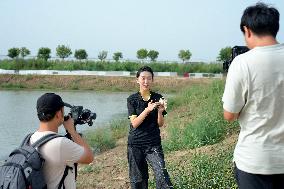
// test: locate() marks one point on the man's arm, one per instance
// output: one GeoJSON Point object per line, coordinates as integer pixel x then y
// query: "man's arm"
{"type": "Point", "coordinates": [236, 90]}
{"type": "Point", "coordinates": [87, 156]}
{"type": "Point", "coordinates": [230, 116]}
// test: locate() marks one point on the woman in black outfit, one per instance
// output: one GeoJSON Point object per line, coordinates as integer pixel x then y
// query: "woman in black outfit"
{"type": "Point", "coordinates": [146, 110]}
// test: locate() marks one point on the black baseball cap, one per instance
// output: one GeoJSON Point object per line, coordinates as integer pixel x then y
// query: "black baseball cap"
{"type": "Point", "coordinates": [49, 103]}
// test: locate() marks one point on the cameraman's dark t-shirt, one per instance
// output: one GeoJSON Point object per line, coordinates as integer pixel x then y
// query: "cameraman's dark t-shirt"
{"type": "Point", "coordinates": [148, 132]}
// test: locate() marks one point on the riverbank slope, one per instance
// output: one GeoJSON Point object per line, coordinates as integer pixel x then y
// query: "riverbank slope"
{"type": "Point", "coordinates": [97, 83]}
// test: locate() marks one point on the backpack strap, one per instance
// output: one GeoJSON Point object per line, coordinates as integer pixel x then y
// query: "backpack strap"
{"type": "Point", "coordinates": [45, 139]}
{"type": "Point", "coordinates": [61, 183]}
{"type": "Point", "coordinates": [26, 139]}
{"type": "Point", "coordinates": [41, 141]}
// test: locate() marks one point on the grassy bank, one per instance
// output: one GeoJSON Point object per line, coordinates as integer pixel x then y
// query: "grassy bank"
{"type": "Point", "coordinates": [202, 168]}
{"type": "Point", "coordinates": [95, 83]}
{"type": "Point", "coordinates": [198, 118]}
{"type": "Point", "coordinates": [198, 145]}
{"type": "Point", "coordinates": [103, 139]}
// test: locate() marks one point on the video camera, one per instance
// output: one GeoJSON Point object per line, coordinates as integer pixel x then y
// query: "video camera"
{"type": "Point", "coordinates": [80, 115]}
{"type": "Point", "coordinates": [236, 50]}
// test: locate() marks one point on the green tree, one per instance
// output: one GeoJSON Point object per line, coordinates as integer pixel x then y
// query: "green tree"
{"type": "Point", "coordinates": [153, 55]}
{"type": "Point", "coordinates": [184, 55]}
{"type": "Point", "coordinates": [117, 56]}
{"type": "Point", "coordinates": [81, 54]}
{"type": "Point", "coordinates": [13, 52]}
{"type": "Point", "coordinates": [24, 52]}
{"type": "Point", "coordinates": [225, 54]}
{"type": "Point", "coordinates": [142, 54]}
{"type": "Point", "coordinates": [63, 51]}
{"type": "Point", "coordinates": [102, 55]}
{"type": "Point", "coordinates": [44, 53]}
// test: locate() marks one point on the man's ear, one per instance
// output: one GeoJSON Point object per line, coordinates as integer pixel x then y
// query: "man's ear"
{"type": "Point", "coordinates": [248, 32]}
{"type": "Point", "coordinates": [59, 113]}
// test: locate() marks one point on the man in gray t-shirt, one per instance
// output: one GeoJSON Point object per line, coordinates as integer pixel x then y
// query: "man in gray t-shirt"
{"type": "Point", "coordinates": [254, 94]}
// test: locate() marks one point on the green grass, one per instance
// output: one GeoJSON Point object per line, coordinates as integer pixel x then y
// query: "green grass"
{"type": "Point", "coordinates": [90, 169]}
{"type": "Point", "coordinates": [104, 138]}
{"type": "Point", "coordinates": [203, 104]}
{"type": "Point", "coordinates": [12, 86]}
{"type": "Point", "coordinates": [119, 128]}
{"type": "Point", "coordinates": [202, 171]}
{"type": "Point", "coordinates": [205, 172]}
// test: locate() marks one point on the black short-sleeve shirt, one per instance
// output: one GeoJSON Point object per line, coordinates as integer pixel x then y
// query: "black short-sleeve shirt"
{"type": "Point", "coordinates": [148, 133]}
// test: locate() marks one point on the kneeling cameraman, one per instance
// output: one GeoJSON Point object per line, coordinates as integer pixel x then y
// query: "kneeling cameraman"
{"type": "Point", "coordinates": [59, 152]}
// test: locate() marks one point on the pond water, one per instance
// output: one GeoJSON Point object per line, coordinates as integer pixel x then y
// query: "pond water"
{"type": "Point", "coordinates": [18, 112]}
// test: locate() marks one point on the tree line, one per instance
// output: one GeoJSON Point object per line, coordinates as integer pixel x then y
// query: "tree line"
{"type": "Point", "coordinates": [63, 51]}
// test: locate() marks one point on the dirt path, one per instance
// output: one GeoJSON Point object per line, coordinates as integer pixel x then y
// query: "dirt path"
{"type": "Point", "coordinates": [108, 170]}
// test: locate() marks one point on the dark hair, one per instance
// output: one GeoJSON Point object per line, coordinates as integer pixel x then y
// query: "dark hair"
{"type": "Point", "coordinates": [145, 69]}
{"type": "Point", "coordinates": [46, 117]}
{"type": "Point", "coordinates": [47, 106]}
{"type": "Point", "coordinates": [261, 19]}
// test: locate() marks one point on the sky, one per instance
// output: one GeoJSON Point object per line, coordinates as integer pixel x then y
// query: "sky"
{"type": "Point", "coordinates": [167, 26]}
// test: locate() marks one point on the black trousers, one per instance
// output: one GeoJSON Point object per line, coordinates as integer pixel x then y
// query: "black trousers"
{"type": "Point", "coordinates": [256, 181]}
{"type": "Point", "coordinates": [138, 159]}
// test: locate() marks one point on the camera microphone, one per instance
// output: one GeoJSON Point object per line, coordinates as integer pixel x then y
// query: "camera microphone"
{"type": "Point", "coordinates": [68, 105]}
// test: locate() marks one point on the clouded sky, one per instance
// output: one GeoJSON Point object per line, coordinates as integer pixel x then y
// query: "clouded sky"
{"type": "Point", "coordinates": [202, 26]}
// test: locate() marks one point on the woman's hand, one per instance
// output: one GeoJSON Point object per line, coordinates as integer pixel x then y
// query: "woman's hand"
{"type": "Point", "coordinates": [161, 108]}
{"type": "Point", "coordinates": [163, 105]}
{"type": "Point", "coordinates": [152, 105]}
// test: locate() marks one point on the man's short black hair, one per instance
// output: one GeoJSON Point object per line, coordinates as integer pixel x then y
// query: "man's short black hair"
{"type": "Point", "coordinates": [145, 69]}
{"type": "Point", "coordinates": [261, 19]}
{"type": "Point", "coordinates": [47, 105]}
